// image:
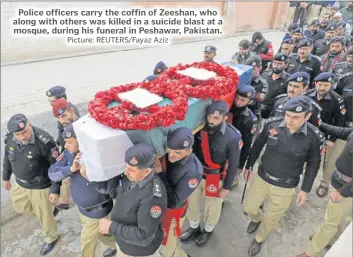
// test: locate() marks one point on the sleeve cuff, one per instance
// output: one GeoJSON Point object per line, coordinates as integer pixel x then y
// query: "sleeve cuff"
{"type": "Point", "coordinates": [67, 172]}
{"type": "Point", "coordinates": [6, 177]}
{"type": "Point", "coordinates": [305, 189]}
{"type": "Point", "coordinates": [113, 228]}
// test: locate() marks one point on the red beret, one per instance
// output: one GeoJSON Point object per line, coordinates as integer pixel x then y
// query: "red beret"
{"type": "Point", "coordinates": [59, 107]}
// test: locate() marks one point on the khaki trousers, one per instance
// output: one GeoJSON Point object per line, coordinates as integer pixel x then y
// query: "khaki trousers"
{"type": "Point", "coordinates": [330, 158]}
{"type": "Point", "coordinates": [290, 16]}
{"type": "Point", "coordinates": [314, 12]}
{"type": "Point", "coordinates": [278, 200]}
{"type": "Point", "coordinates": [65, 192]}
{"type": "Point", "coordinates": [121, 254]}
{"type": "Point", "coordinates": [90, 237]}
{"type": "Point", "coordinates": [36, 202]}
{"type": "Point", "coordinates": [335, 222]}
{"type": "Point", "coordinates": [172, 249]}
{"type": "Point", "coordinates": [212, 206]}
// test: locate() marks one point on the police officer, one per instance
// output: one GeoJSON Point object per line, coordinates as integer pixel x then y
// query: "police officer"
{"type": "Point", "coordinates": [286, 46]}
{"type": "Point", "coordinates": [296, 37]}
{"type": "Point", "coordinates": [209, 53]}
{"type": "Point", "coordinates": [258, 83]}
{"type": "Point", "coordinates": [183, 174]}
{"type": "Point", "coordinates": [150, 78]}
{"type": "Point", "coordinates": [291, 142]}
{"type": "Point", "coordinates": [276, 80]}
{"type": "Point", "coordinates": [263, 48]}
{"type": "Point", "coordinates": [333, 113]}
{"type": "Point", "coordinates": [321, 46]}
{"type": "Point", "coordinates": [340, 204]}
{"type": "Point", "coordinates": [245, 121]}
{"type": "Point", "coordinates": [297, 85]}
{"type": "Point", "coordinates": [314, 32]}
{"type": "Point", "coordinates": [334, 56]}
{"type": "Point", "coordinates": [303, 60]}
{"type": "Point", "coordinates": [244, 52]}
{"type": "Point", "coordinates": [344, 67]}
{"type": "Point", "coordinates": [215, 148]}
{"type": "Point", "coordinates": [159, 68]}
{"type": "Point", "coordinates": [140, 205]}
{"type": "Point", "coordinates": [29, 151]}
{"type": "Point", "coordinates": [340, 32]}
{"type": "Point", "coordinates": [92, 205]}
{"type": "Point", "coordinates": [65, 112]}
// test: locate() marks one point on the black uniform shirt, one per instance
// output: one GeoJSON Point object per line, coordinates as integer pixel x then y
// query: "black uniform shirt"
{"type": "Point", "coordinates": [321, 47]}
{"type": "Point", "coordinates": [344, 88]}
{"type": "Point", "coordinates": [286, 153]}
{"type": "Point", "coordinates": [312, 65]}
{"type": "Point", "coordinates": [60, 141]}
{"type": "Point", "coordinates": [341, 68]}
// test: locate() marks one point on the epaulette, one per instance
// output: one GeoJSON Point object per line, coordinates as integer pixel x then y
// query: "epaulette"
{"type": "Point", "coordinates": [346, 75]}
{"type": "Point", "coordinates": [7, 137]}
{"type": "Point", "coordinates": [233, 128]}
{"type": "Point", "coordinates": [338, 98]}
{"type": "Point", "coordinates": [42, 135]}
{"type": "Point", "coordinates": [293, 54]}
{"type": "Point", "coordinates": [310, 91]}
{"type": "Point", "coordinates": [273, 119]}
{"type": "Point", "coordinates": [320, 136]}
{"type": "Point", "coordinates": [281, 96]}
{"type": "Point", "coordinates": [316, 57]}
{"type": "Point", "coordinates": [315, 104]}
{"type": "Point", "coordinates": [340, 63]}
{"type": "Point", "coordinates": [157, 188]}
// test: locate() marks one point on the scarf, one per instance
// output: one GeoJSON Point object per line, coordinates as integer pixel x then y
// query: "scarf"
{"type": "Point", "coordinates": [325, 61]}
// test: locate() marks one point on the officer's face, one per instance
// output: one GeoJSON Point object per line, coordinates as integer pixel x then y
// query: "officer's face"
{"type": "Point", "coordinates": [25, 135]}
{"type": "Point", "coordinates": [296, 37]}
{"type": "Point", "coordinates": [243, 51]}
{"type": "Point", "coordinates": [278, 66]}
{"type": "Point", "coordinates": [330, 34]}
{"type": "Point", "coordinates": [296, 88]}
{"type": "Point", "coordinates": [325, 17]}
{"type": "Point", "coordinates": [336, 48]}
{"type": "Point", "coordinates": [214, 121]}
{"type": "Point", "coordinates": [259, 41]}
{"type": "Point", "coordinates": [333, 11]}
{"type": "Point", "coordinates": [313, 28]}
{"type": "Point", "coordinates": [256, 71]}
{"type": "Point", "coordinates": [71, 145]}
{"type": "Point", "coordinates": [135, 174]}
{"type": "Point", "coordinates": [67, 117]}
{"type": "Point", "coordinates": [241, 101]}
{"type": "Point", "coordinates": [294, 120]}
{"type": "Point", "coordinates": [304, 51]}
{"type": "Point", "coordinates": [209, 56]}
{"type": "Point", "coordinates": [322, 87]}
{"type": "Point", "coordinates": [340, 31]}
{"type": "Point", "coordinates": [286, 48]}
{"type": "Point", "coordinates": [177, 155]}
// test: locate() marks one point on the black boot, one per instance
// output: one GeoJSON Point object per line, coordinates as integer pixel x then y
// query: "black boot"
{"type": "Point", "coordinates": [63, 206]}
{"type": "Point", "coordinates": [255, 248]}
{"type": "Point", "coordinates": [56, 211]}
{"type": "Point", "coordinates": [203, 238]}
{"type": "Point", "coordinates": [109, 252]}
{"type": "Point", "coordinates": [48, 247]}
{"type": "Point", "coordinates": [253, 226]}
{"type": "Point", "coordinates": [190, 233]}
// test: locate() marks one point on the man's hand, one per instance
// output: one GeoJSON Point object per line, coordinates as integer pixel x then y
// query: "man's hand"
{"type": "Point", "coordinates": [157, 165]}
{"type": "Point", "coordinates": [336, 196]}
{"type": "Point", "coordinates": [301, 198]}
{"type": "Point", "coordinates": [83, 171]}
{"type": "Point", "coordinates": [6, 185]}
{"type": "Point", "coordinates": [329, 144]}
{"type": "Point", "coordinates": [104, 226]}
{"type": "Point", "coordinates": [247, 175]}
{"type": "Point", "coordinates": [233, 61]}
{"type": "Point", "coordinates": [53, 198]}
{"type": "Point", "coordinates": [224, 193]}
{"type": "Point", "coordinates": [76, 163]}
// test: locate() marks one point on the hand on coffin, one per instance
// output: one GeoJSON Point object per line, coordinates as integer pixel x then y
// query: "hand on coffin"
{"type": "Point", "coordinates": [157, 165]}
{"type": "Point", "coordinates": [76, 163]}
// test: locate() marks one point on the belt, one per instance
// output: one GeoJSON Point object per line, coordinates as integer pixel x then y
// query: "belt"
{"type": "Point", "coordinates": [349, 124]}
{"type": "Point", "coordinates": [342, 177]}
{"type": "Point", "coordinates": [97, 207]}
{"type": "Point", "coordinates": [33, 181]}
{"type": "Point", "coordinates": [286, 180]}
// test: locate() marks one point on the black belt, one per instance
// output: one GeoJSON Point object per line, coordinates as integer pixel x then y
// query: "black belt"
{"type": "Point", "coordinates": [97, 207]}
{"type": "Point", "coordinates": [341, 177]}
{"type": "Point", "coordinates": [275, 179]}
{"type": "Point", "coordinates": [34, 181]}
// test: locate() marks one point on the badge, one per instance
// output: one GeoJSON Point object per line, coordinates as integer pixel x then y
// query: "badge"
{"type": "Point", "coordinates": [216, 113]}
{"type": "Point", "coordinates": [280, 106]}
{"type": "Point", "coordinates": [155, 211]}
{"type": "Point", "coordinates": [49, 93]}
{"type": "Point", "coordinates": [261, 96]}
{"type": "Point", "coordinates": [343, 111]}
{"type": "Point", "coordinates": [299, 79]}
{"type": "Point", "coordinates": [211, 188]}
{"type": "Point", "coordinates": [29, 156]}
{"type": "Point", "coordinates": [60, 111]}
{"type": "Point", "coordinates": [240, 144]}
{"type": "Point", "coordinates": [254, 64]}
{"type": "Point", "coordinates": [133, 161]}
{"type": "Point", "coordinates": [21, 125]}
{"type": "Point", "coordinates": [249, 94]}
{"type": "Point", "coordinates": [253, 130]}
{"type": "Point", "coordinates": [55, 153]}
{"type": "Point", "coordinates": [193, 182]}
{"type": "Point", "coordinates": [273, 132]}
{"type": "Point", "coordinates": [60, 157]}
{"type": "Point", "coordinates": [11, 148]}
{"type": "Point", "coordinates": [185, 143]}
{"type": "Point", "coordinates": [282, 58]}
{"type": "Point", "coordinates": [68, 134]}
{"type": "Point", "coordinates": [299, 108]}
{"type": "Point", "coordinates": [329, 79]}
{"type": "Point", "coordinates": [157, 191]}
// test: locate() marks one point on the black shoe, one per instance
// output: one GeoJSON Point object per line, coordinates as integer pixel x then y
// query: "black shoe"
{"type": "Point", "coordinates": [203, 238]}
{"type": "Point", "coordinates": [255, 248]}
{"type": "Point", "coordinates": [109, 252]}
{"type": "Point", "coordinates": [63, 206]}
{"type": "Point", "coordinates": [253, 226]}
{"type": "Point", "coordinates": [56, 211]}
{"type": "Point", "coordinates": [48, 247]}
{"type": "Point", "coordinates": [190, 233]}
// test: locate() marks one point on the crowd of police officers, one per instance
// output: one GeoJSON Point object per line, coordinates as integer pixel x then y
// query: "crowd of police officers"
{"type": "Point", "coordinates": [298, 105]}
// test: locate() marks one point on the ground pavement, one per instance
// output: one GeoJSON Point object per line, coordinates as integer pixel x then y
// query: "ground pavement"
{"type": "Point", "coordinates": [23, 89]}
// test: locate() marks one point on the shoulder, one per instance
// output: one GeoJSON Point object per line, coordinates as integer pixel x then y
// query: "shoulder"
{"type": "Point", "coordinates": [233, 132]}
{"type": "Point", "coordinates": [293, 56]}
{"type": "Point", "coordinates": [337, 97]}
{"type": "Point", "coordinates": [310, 91]}
{"type": "Point", "coordinates": [316, 133]}
{"type": "Point", "coordinates": [316, 105]}
{"type": "Point", "coordinates": [346, 75]}
{"type": "Point", "coordinates": [339, 65]}
{"type": "Point", "coordinates": [8, 138]}
{"type": "Point", "coordinates": [263, 81]}
{"type": "Point", "coordinates": [157, 188]}
{"type": "Point", "coordinates": [43, 136]}
{"type": "Point", "coordinates": [315, 58]}
{"type": "Point", "coordinates": [252, 115]}
{"type": "Point", "coordinates": [274, 120]}
{"type": "Point", "coordinates": [280, 96]}
{"type": "Point", "coordinates": [266, 74]}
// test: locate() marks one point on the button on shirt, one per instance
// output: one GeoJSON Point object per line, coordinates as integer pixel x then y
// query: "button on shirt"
{"type": "Point", "coordinates": [311, 65]}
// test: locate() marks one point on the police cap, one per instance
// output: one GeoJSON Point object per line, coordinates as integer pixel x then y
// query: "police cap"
{"type": "Point", "coordinates": [305, 42]}
{"type": "Point", "coordinates": [140, 155]}
{"type": "Point", "coordinates": [338, 40]}
{"type": "Point", "coordinates": [210, 49]}
{"type": "Point", "coordinates": [300, 76]}
{"type": "Point", "coordinates": [17, 123]}
{"type": "Point", "coordinates": [69, 132]}
{"type": "Point", "coordinates": [288, 41]}
{"type": "Point", "coordinates": [315, 23]}
{"type": "Point", "coordinates": [217, 108]}
{"type": "Point", "coordinates": [349, 51]}
{"type": "Point", "coordinates": [246, 91]}
{"type": "Point", "coordinates": [59, 107]}
{"type": "Point", "coordinates": [331, 27]}
{"type": "Point", "coordinates": [56, 91]}
{"type": "Point", "coordinates": [298, 104]}
{"type": "Point", "coordinates": [280, 57]}
{"type": "Point", "coordinates": [180, 138]}
{"type": "Point", "coordinates": [297, 30]}
{"type": "Point", "coordinates": [325, 77]}
{"type": "Point", "coordinates": [254, 60]}
{"type": "Point", "coordinates": [293, 26]}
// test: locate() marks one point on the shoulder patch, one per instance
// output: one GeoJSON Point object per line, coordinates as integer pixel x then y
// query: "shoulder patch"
{"type": "Point", "coordinates": [346, 75]}
{"type": "Point", "coordinates": [319, 135]}
{"type": "Point", "coordinates": [233, 128]}
{"type": "Point", "coordinates": [193, 183]}
{"type": "Point", "coordinates": [155, 211]}
{"type": "Point", "coordinates": [156, 188]}
{"type": "Point", "coordinates": [274, 119]}
{"type": "Point", "coordinates": [60, 157]}
{"type": "Point", "coordinates": [281, 96]}
{"type": "Point", "coordinates": [316, 104]}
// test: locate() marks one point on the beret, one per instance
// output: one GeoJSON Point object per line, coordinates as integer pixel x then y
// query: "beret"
{"type": "Point", "coordinates": [298, 104]}
{"type": "Point", "coordinates": [56, 91]}
{"type": "Point", "coordinates": [246, 91]}
{"type": "Point", "coordinates": [210, 49]}
{"type": "Point", "coordinates": [141, 155]}
{"type": "Point", "coordinates": [293, 26]}
{"type": "Point", "coordinates": [325, 77]}
{"type": "Point", "coordinates": [59, 107]}
{"type": "Point", "coordinates": [288, 41]}
{"type": "Point", "coordinates": [300, 76]}
{"type": "Point", "coordinates": [297, 30]}
{"type": "Point", "coordinates": [315, 23]}
{"type": "Point", "coordinates": [68, 132]}
{"type": "Point", "coordinates": [254, 60]}
{"type": "Point", "coordinates": [180, 138]}
{"type": "Point", "coordinates": [17, 123]}
{"type": "Point", "coordinates": [280, 57]}
{"type": "Point", "coordinates": [305, 42]}
{"type": "Point", "coordinates": [217, 108]}
{"type": "Point", "coordinates": [331, 26]}
{"type": "Point", "coordinates": [349, 50]}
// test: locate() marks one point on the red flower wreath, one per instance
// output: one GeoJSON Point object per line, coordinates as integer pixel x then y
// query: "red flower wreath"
{"type": "Point", "coordinates": [122, 117]}
{"type": "Point", "coordinates": [214, 88]}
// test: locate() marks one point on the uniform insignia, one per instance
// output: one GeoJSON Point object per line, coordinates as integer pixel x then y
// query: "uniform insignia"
{"type": "Point", "coordinates": [133, 161]}
{"type": "Point", "coordinates": [282, 58]}
{"type": "Point", "coordinates": [216, 113]}
{"type": "Point", "coordinates": [317, 131]}
{"type": "Point", "coordinates": [29, 156]}
{"type": "Point", "coordinates": [49, 93]}
{"type": "Point", "coordinates": [249, 94]}
{"type": "Point", "coordinates": [55, 152]}
{"type": "Point", "coordinates": [273, 132]}
{"type": "Point", "coordinates": [261, 96]}
{"type": "Point", "coordinates": [60, 111]}
{"type": "Point", "coordinates": [329, 79]}
{"type": "Point", "coordinates": [68, 134]}
{"type": "Point", "coordinates": [193, 182]}
{"type": "Point", "coordinates": [155, 211]}
{"type": "Point", "coordinates": [240, 144]}
{"type": "Point", "coordinates": [60, 157]}
{"type": "Point", "coordinates": [156, 187]}
{"type": "Point", "coordinates": [21, 125]}
{"type": "Point", "coordinates": [211, 188]}
{"type": "Point", "coordinates": [340, 71]}
{"type": "Point", "coordinates": [299, 108]}
{"type": "Point", "coordinates": [343, 111]}
{"type": "Point", "coordinates": [254, 64]}
{"type": "Point", "coordinates": [185, 143]}
{"type": "Point", "coordinates": [11, 148]}
{"type": "Point", "coordinates": [299, 79]}
{"type": "Point", "coordinates": [253, 130]}
{"type": "Point", "coordinates": [280, 106]}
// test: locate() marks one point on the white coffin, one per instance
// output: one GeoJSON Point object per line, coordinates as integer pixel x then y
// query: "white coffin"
{"type": "Point", "coordinates": [103, 148]}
